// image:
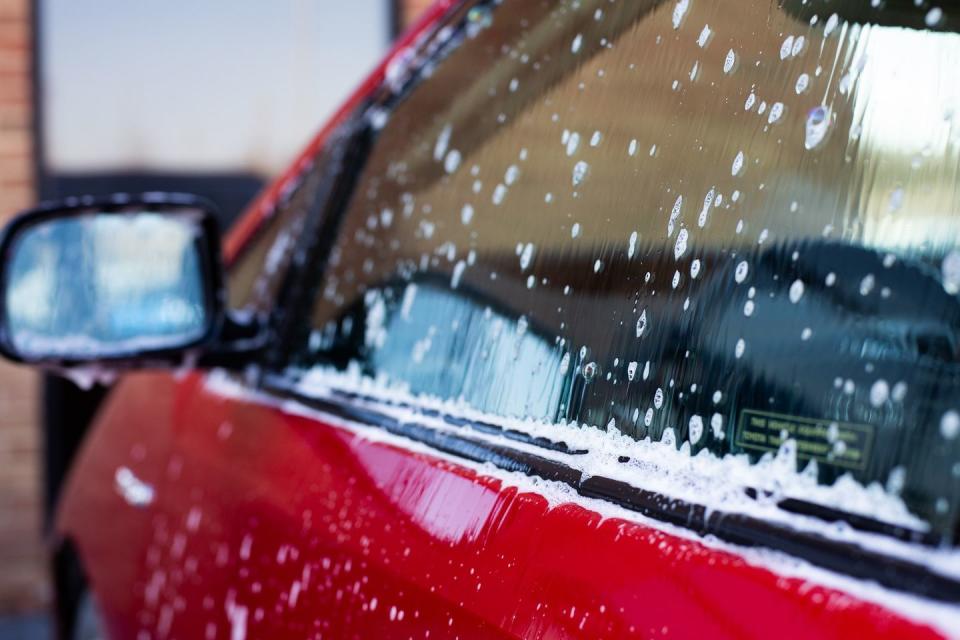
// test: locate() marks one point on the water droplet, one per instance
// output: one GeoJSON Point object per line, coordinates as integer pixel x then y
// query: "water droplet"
{"type": "Point", "coordinates": [867, 284]}
{"type": "Point", "coordinates": [831, 25]}
{"type": "Point", "coordinates": [716, 425]}
{"type": "Point", "coordinates": [598, 266]}
{"type": "Point", "coordinates": [950, 271]}
{"type": "Point", "coordinates": [817, 126]}
{"type": "Point", "coordinates": [695, 268]}
{"type": "Point", "coordinates": [741, 272]}
{"type": "Point", "coordinates": [796, 291]}
{"type": "Point", "coordinates": [577, 42]}
{"type": "Point", "coordinates": [632, 246]}
{"type": "Point", "coordinates": [803, 83]}
{"type": "Point", "coordinates": [526, 256]}
{"type": "Point", "coordinates": [674, 214]}
{"type": "Point", "coordinates": [658, 398]}
{"type": "Point", "coordinates": [452, 162]}
{"type": "Point", "coordinates": [748, 307]}
{"type": "Point", "coordinates": [896, 480]}
{"type": "Point", "coordinates": [590, 371]}
{"type": "Point", "coordinates": [730, 61]}
{"type": "Point", "coordinates": [575, 230]}
{"type": "Point", "coordinates": [466, 214]}
{"type": "Point", "coordinates": [642, 323]}
{"type": "Point", "coordinates": [676, 279]}
{"type": "Point", "coordinates": [739, 349]}
{"type": "Point", "coordinates": [717, 397]}
{"type": "Point", "coordinates": [933, 17]}
{"type": "Point", "coordinates": [565, 364]}
{"type": "Point", "coordinates": [443, 140]}
{"type": "Point", "coordinates": [513, 172]}
{"type": "Point", "coordinates": [751, 100]}
{"type": "Point", "coordinates": [896, 200]}
{"type": "Point", "coordinates": [631, 371]}
{"type": "Point", "coordinates": [648, 417]}
{"type": "Point", "coordinates": [458, 270]}
{"type": "Point", "coordinates": [704, 37]}
{"type": "Point", "coordinates": [680, 12]}
{"type": "Point", "coordinates": [680, 247]}
{"type": "Point", "coordinates": [844, 85]}
{"type": "Point", "coordinates": [786, 48]}
{"type": "Point", "coordinates": [738, 163]}
{"type": "Point", "coordinates": [899, 391]}
{"type": "Point", "coordinates": [806, 333]}
{"type": "Point", "coordinates": [514, 83]}
{"type": "Point", "coordinates": [830, 279]}
{"type": "Point", "coordinates": [696, 429]}
{"type": "Point", "coordinates": [879, 393]}
{"type": "Point", "coordinates": [573, 141]}
{"type": "Point", "coordinates": [632, 147]}
{"type": "Point", "coordinates": [776, 112]}
{"type": "Point", "coordinates": [705, 211]}
{"type": "Point", "coordinates": [950, 424]}
{"type": "Point", "coordinates": [798, 45]}
{"type": "Point", "coordinates": [580, 171]}
{"type": "Point", "coordinates": [499, 193]}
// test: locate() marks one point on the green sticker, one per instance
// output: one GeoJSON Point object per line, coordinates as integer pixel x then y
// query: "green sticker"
{"type": "Point", "coordinates": [841, 444]}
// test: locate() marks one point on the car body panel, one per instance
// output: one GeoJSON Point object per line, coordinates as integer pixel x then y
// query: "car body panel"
{"type": "Point", "coordinates": [276, 522]}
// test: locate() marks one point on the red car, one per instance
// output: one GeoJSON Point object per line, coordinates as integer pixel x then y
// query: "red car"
{"type": "Point", "coordinates": [585, 319]}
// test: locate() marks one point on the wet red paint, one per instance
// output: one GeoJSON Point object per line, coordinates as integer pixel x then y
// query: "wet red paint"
{"type": "Point", "coordinates": [307, 530]}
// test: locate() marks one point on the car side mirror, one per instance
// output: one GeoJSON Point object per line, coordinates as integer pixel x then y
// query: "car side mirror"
{"type": "Point", "coordinates": [127, 281]}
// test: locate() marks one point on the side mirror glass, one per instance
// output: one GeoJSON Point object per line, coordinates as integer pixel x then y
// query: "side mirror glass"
{"type": "Point", "coordinates": [125, 279]}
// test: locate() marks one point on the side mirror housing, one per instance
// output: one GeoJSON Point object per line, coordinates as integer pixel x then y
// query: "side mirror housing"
{"type": "Point", "coordinates": [124, 282]}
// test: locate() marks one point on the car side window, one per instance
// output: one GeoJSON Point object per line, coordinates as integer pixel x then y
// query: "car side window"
{"type": "Point", "coordinates": [730, 228]}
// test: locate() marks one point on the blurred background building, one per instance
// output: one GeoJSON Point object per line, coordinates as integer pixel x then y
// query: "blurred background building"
{"type": "Point", "coordinates": [99, 96]}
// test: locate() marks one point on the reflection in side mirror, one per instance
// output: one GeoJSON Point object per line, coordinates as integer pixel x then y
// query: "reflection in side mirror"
{"type": "Point", "coordinates": [110, 282]}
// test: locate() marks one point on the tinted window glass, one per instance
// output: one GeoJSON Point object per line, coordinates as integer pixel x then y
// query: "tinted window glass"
{"type": "Point", "coordinates": [256, 275]}
{"type": "Point", "coordinates": [730, 226]}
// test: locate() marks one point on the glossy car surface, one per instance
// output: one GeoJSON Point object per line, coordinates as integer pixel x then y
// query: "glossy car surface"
{"type": "Point", "coordinates": [300, 496]}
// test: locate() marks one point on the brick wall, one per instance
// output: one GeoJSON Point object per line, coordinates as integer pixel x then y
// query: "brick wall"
{"type": "Point", "coordinates": [23, 585]}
